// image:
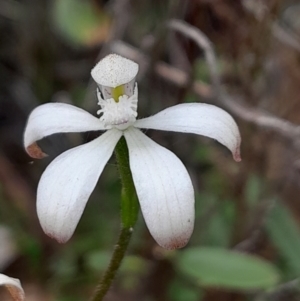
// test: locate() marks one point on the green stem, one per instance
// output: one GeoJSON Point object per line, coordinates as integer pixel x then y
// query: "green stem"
{"type": "Point", "coordinates": [129, 214]}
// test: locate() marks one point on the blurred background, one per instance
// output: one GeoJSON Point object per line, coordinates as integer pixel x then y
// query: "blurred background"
{"type": "Point", "coordinates": [47, 49]}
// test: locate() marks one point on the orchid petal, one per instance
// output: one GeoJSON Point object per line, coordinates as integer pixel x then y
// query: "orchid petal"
{"type": "Point", "coordinates": [68, 182]}
{"type": "Point", "coordinates": [54, 118]}
{"type": "Point", "coordinates": [13, 286]}
{"type": "Point", "coordinates": [202, 119]}
{"type": "Point", "coordinates": [164, 190]}
{"type": "Point", "coordinates": [114, 70]}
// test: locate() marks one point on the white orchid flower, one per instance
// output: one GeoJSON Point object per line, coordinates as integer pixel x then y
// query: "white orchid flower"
{"type": "Point", "coordinates": [162, 183]}
{"type": "Point", "coordinates": [13, 286]}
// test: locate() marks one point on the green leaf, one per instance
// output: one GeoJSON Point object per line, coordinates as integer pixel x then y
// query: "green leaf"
{"type": "Point", "coordinates": [215, 267]}
{"type": "Point", "coordinates": [285, 235]}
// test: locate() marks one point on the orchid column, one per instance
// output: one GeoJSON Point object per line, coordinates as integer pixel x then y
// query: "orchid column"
{"type": "Point", "coordinates": [163, 187]}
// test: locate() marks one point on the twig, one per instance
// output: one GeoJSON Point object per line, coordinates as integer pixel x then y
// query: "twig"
{"type": "Point", "coordinates": [234, 104]}
{"type": "Point", "coordinates": [255, 116]}
{"type": "Point", "coordinates": [203, 43]}
{"type": "Point", "coordinates": [285, 36]}
{"type": "Point", "coordinates": [281, 292]}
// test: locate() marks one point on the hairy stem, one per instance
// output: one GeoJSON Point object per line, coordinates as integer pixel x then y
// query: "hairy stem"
{"type": "Point", "coordinates": [129, 202]}
{"type": "Point", "coordinates": [129, 214]}
{"type": "Point", "coordinates": [115, 262]}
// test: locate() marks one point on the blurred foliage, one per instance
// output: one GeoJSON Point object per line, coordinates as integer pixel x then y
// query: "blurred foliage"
{"type": "Point", "coordinates": [80, 22]}
{"type": "Point", "coordinates": [181, 291]}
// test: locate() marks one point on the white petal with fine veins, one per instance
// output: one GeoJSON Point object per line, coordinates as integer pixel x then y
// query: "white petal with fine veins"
{"type": "Point", "coordinates": [14, 287]}
{"type": "Point", "coordinates": [68, 182]}
{"type": "Point", "coordinates": [54, 118]}
{"type": "Point", "coordinates": [164, 190]}
{"type": "Point", "coordinates": [202, 119]}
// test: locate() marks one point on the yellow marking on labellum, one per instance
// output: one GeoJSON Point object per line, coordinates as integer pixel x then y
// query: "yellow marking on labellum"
{"type": "Point", "coordinates": [117, 92]}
